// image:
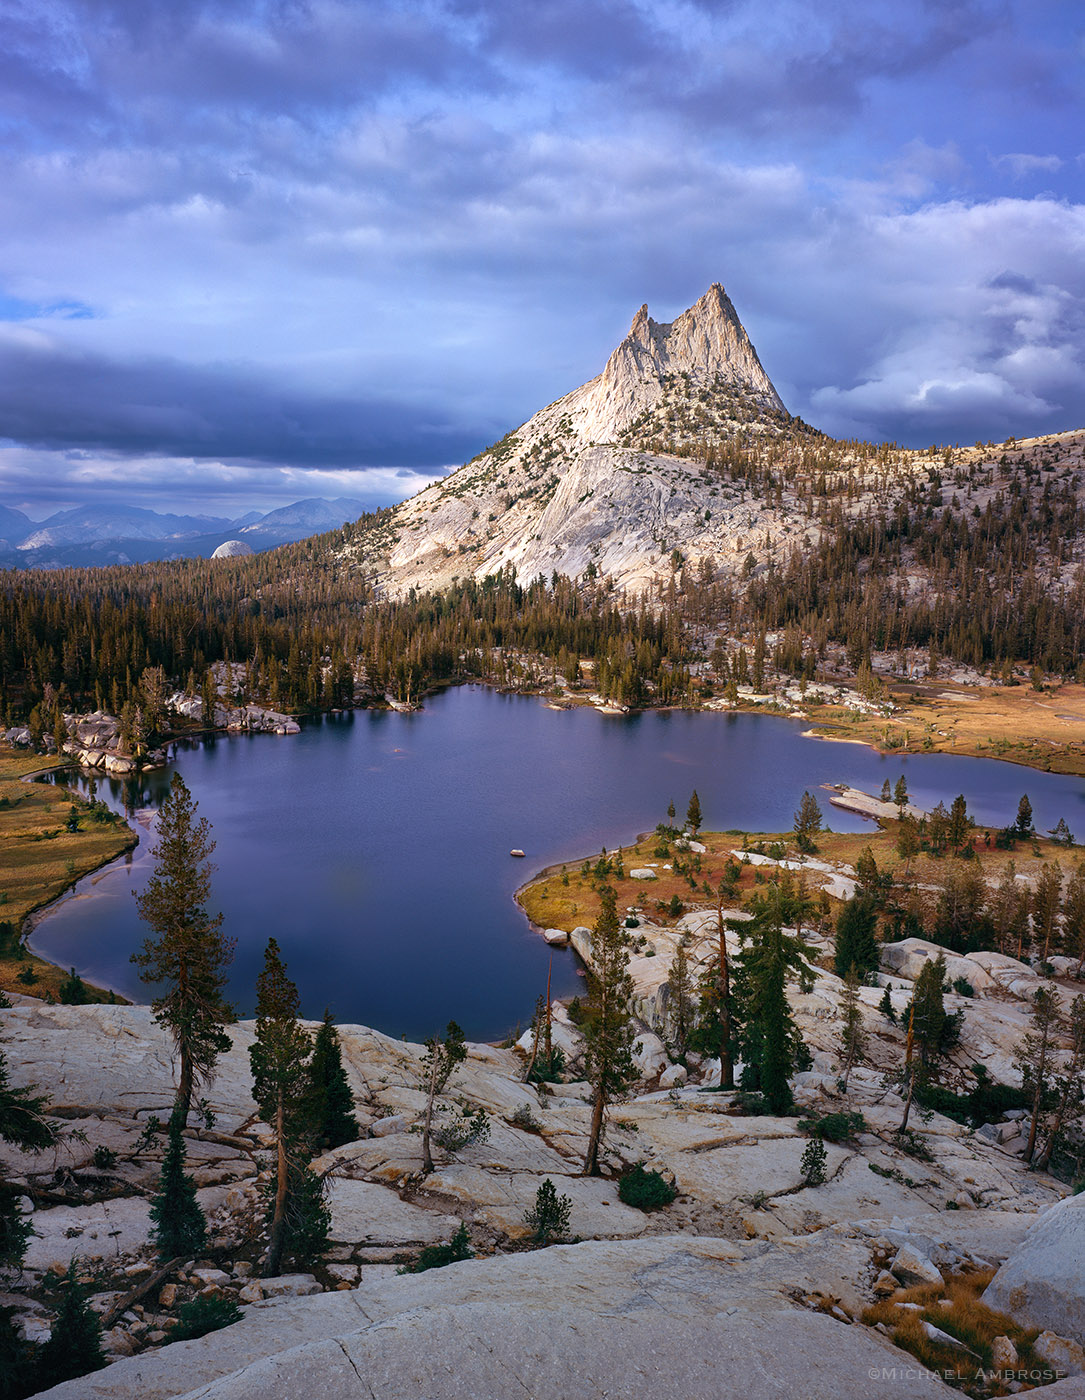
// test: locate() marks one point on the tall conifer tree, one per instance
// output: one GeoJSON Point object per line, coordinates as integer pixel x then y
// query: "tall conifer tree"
{"type": "Point", "coordinates": [331, 1104]}
{"type": "Point", "coordinates": [281, 1086]}
{"type": "Point", "coordinates": [608, 1024]}
{"type": "Point", "coordinates": [74, 1347]}
{"type": "Point", "coordinates": [180, 1226]}
{"type": "Point", "coordinates": [187, 960]}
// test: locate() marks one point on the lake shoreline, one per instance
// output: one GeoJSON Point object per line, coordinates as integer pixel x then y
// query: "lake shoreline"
{"type": "Point", "coordinates": [483, 751]}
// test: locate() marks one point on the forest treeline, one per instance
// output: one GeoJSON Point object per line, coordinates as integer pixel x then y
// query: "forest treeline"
{"type": "Point", "coordinates": [984, 578]}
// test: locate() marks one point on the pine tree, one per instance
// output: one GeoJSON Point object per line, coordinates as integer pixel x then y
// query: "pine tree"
{"type": "Point", "coordinates": [331, 1105]}
{"type": "Point", "coordinates": [1061, 833]}
{"type": "Point", "coordinates": [934, 1028]}
{"type": "Point", "coordinates": [548, 1218]}
{"type": "Point", "coordinates": [680, 1007]}
{"type": "Point", "coordinates": [931, 1031]}
{"type": "Point", "coordinates": [443, 1056]}
{"type": "Point", "coordinates": [1023, 824]}
{"type": "Point", "coordinates": [713, 1033]}
{"type": "Point", "coordinates": [608, 1023]}
{"type": "Point", "coordinates": [770, 1041]}
{"type": "Point", "coordinates": [186, 962]}
{"type": "Point", "coordinates": [807, 822]}
{"type": "Point", "coordinates": [693, 813]}
{"type": "Point", "coordinates": [1073, 916]}
{"type": "Point", "coordinates": [885, 1006]}
{"type": "Point", "coordinates": [1036, 1057]}
{"type": "Point", "coordinates": [900, 796]}
{"type": "Point", "coordinates": [1069, 1086]}
{"type": "Point", "coordinates": [73, 990]}
{"type": "Point", "coordinates": [179, 1225]}
{"type": "Point", "coordinates": [1046, 907]}
{"type": "Point", "coordinates": [1009, 913]}
{"type": "Point", "coordinates": [856, 939]}
{"type": "Point", "coordinates": [869, 883]}
{"type": "Point", "coordinates": [813, 1163]}
{"type": "Point", "coordinates": [280, 1073]}
{"type": "Point", "coordinates": [852, 1033]}
{"type": "Point", "coordinates": [74, 1347]}
{"type": "Point", "coordinates": [960, 823]}
{"type": "Point", "coordinates": [23, 1124]}
{"type": "Point", "coordinates": [18, 1359]}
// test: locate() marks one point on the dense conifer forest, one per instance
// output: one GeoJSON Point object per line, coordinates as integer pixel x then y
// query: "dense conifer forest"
{"type": "Point", "coordinates": [973, 559]}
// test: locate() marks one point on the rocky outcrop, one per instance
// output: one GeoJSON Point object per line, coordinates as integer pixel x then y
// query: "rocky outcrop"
{"type": "Point", "coordinates": [233, 549]}
{"type": "Point", "coordinates": [671, 1317]}
{"type": "Point", "coordinates": [1043, 1282]}
{"type": "Point", "coordinates": [778, 1257]}
{"type": "Point", "coordinates": [590, 482]}
{"type": "Point", "coordinates": [250, 719]}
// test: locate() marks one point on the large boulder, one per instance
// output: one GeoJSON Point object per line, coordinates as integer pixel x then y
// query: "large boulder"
{"type": "Point", "coordinates": [1042, 1284]}
{"type": "Point", "coordinates": [908, 958]}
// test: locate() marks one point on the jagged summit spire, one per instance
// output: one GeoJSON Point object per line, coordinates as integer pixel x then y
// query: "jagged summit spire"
{"type": "Point", "coordinates": [601, 478]}
{"type": "Point", "coordinates": [707, 342]}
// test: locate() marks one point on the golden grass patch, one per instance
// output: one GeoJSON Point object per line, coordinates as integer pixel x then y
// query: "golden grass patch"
{"type": "Point", "coordinates": [958, 1310]}
{"type": "Point", "coordinates": [40, 858]}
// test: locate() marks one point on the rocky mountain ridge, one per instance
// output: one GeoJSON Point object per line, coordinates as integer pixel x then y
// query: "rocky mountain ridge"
{"type": "Point", "coordinates": [575, 488]}
{"type": "Point", "coordinates": [100, 535]}
{"type": "Point", "coordinates": [680, 454]}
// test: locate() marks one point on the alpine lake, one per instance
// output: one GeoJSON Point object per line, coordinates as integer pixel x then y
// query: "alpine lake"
{"type": "Point", "coordinates": [375, 846]}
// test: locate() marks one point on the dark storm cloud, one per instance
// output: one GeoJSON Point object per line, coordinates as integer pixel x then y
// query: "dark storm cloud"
{"type": "Point", "coordinates": [338, 233]}
{"type": "Point", "coordinates": [52, 398]}
{"type": "Point", "coordinates": [160, 70]}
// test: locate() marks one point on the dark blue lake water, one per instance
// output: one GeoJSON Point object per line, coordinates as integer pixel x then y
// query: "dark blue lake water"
{"type": "Point", "coordinates": [375, 846]}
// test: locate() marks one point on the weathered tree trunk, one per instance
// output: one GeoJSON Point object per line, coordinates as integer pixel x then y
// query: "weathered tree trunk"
{"type": "Point", "coordinates": [847, 1071]}
{"type": "Point", "coordinates": [427, 1155]}
{"type": "Point", "coordinates": [278, 1221]}
{"type": "Point", "coordinates": [591, 1159]}
{"type": "Point", "coordinates": [183, 1100]}
{"type": "Point", "coordinates": [1043, 1161]}
{"type": "Point", "coordinates": [727, 1066]}
{"type": "Point", "coordinates": [910, 1068]}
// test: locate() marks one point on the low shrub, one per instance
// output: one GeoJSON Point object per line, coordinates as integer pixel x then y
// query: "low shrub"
{"type": "Point", "coordinates": [646, 1189]}
{"type": "Point", "coordinates": [204, 1314]}
{"type": "Point", "coordinates": [437, 1256]}
{"type": "Point", "coordinates": [525, 1120]}
{"type": "Point", "coordinates": [751, 1104]}
{"type": "Point", "coordinates": [834, 1127]}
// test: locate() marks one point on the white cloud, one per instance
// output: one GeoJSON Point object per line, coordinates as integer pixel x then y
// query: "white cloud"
{"type": "Point", "coordinates": [1021, 165]}
{"type": "Point", "coordinates": [39, 481]}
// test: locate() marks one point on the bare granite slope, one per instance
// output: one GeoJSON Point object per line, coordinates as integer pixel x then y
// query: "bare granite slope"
{"type": "Point", "coordinates": [573, 487]}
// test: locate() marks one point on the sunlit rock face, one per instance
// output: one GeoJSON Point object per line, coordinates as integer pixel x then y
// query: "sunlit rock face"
{"type": "Point", "coordinates": [611, 476]}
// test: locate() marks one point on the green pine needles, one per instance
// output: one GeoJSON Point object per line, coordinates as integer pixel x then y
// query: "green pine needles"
{"type": "Point", "coordinates": [74, 1347]}
{"type": "Point", "coordinates": [331, 1102]}
{"type": "Point", "coordinates": [179, 1225]}
{"type": "Point", "coordinates": [548, 1218]}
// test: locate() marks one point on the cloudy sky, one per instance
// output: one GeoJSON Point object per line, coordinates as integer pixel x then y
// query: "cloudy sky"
{"type": "Point", "coordinates": [252, 250]}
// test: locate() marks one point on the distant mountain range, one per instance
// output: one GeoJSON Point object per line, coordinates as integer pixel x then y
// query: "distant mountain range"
{"type": "Point", "coordinates": [130, 534]}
